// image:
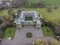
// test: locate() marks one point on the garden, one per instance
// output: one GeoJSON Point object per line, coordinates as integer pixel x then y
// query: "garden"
{"type": "Point", "coordinates": [10, 32]}
{"type": "Point", "coordinates": [47, 31]}
{"type": "Point", "coordinates": [48, 9]}
{"type": "Point", "coordinates": [53, 16]}
{"type": "Point", "coordinates": [7, 26]}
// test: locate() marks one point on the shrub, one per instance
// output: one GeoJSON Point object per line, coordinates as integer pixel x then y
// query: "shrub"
{"type": "Point", "coordinates": [20, 9]}
{"type": "Point", "coordinates": [13, 15]}
{"type": "Point", "coordinates": [11, 24]}
{"type": "Point", "coordinates": [40, 42]}
{"type": "Point", "coordinates": [55, 7]}
{"type": "Point", "coordinates": [44, 22]}
{"type": "Point", "coordinates": [47, 23]}
{"type": "Point", "coordinates": [49, 9]}
{"type": "Point", "coordinates": [4, 25]}
{"type": "Point", "coordinates": [28, 35]}
{"type": "Point", "coordinates": [57, 29]}
{"type": "Point", "coordinates": [54, 42]}
{"type": "Point", "coordinates": [2, 19]}
{"type": "Point", "coordinates": [45, 42]}
{"type": "Point", "coordinates": [11, 20]}
{"type": "Point", "coordinates": [50, 24]}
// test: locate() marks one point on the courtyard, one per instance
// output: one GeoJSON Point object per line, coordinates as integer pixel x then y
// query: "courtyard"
{"type": "Point", "coordinates": [21, 39]}
{"type": "Point", "coordinates": [29, 22]}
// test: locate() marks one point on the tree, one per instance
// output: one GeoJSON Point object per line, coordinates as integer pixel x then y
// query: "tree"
{"type": "Point", "coordinates": [45, 42]}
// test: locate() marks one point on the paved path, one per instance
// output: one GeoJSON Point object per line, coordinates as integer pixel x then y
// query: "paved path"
{"type": "Point", "coordinates": [21, 39]}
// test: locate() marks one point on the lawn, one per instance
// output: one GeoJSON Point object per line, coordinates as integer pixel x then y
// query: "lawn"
{"type": "Point", "coordinates": [53, 16]}
{"type": "Point", "coordinates": [33, 1]}
{"type": "Point", "coordinates": [10, 32]}
{"type": "Point", "coordinates": [4, 13]}
{"type": "Point", "coordinates": [47, 2]}
{"type": "Point", "coordinates": [47, 31]}
{"type": "Point", "coordinates": [52, 2]}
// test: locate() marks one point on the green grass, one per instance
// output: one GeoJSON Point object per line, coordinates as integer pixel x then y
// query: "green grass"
{"type": "Point", "coordinates": [33, 1]}
{"type": "Point", "coordinates": [10, 32]}
{"type": "Point", "coordinates": [47, 2]}
{"type": "Point", "coordinates": [47, 31]}
{"type": "Point", "coordinates": [53, 16]}
{"type": "Point", "coordinates": [28, 18]}
{"type": "Point", "coordinates": [52, 2]}
{"type": "Point", "coordinates": [5, 14]}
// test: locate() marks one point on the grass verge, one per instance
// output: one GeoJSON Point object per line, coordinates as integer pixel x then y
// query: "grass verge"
{"type": "Point", "coordinates": [47, 31]}
{"type": "Point", "coordinates": [10, 32]}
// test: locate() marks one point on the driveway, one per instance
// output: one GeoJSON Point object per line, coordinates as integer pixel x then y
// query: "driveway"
{"type": "Point", "coordinates": [21, 39]}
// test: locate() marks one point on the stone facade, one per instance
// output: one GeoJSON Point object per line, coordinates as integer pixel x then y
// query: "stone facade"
{"type": "Point", "coordinates": [38, 26]}
{"type": "Point", "coordinates": [20, 20]}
